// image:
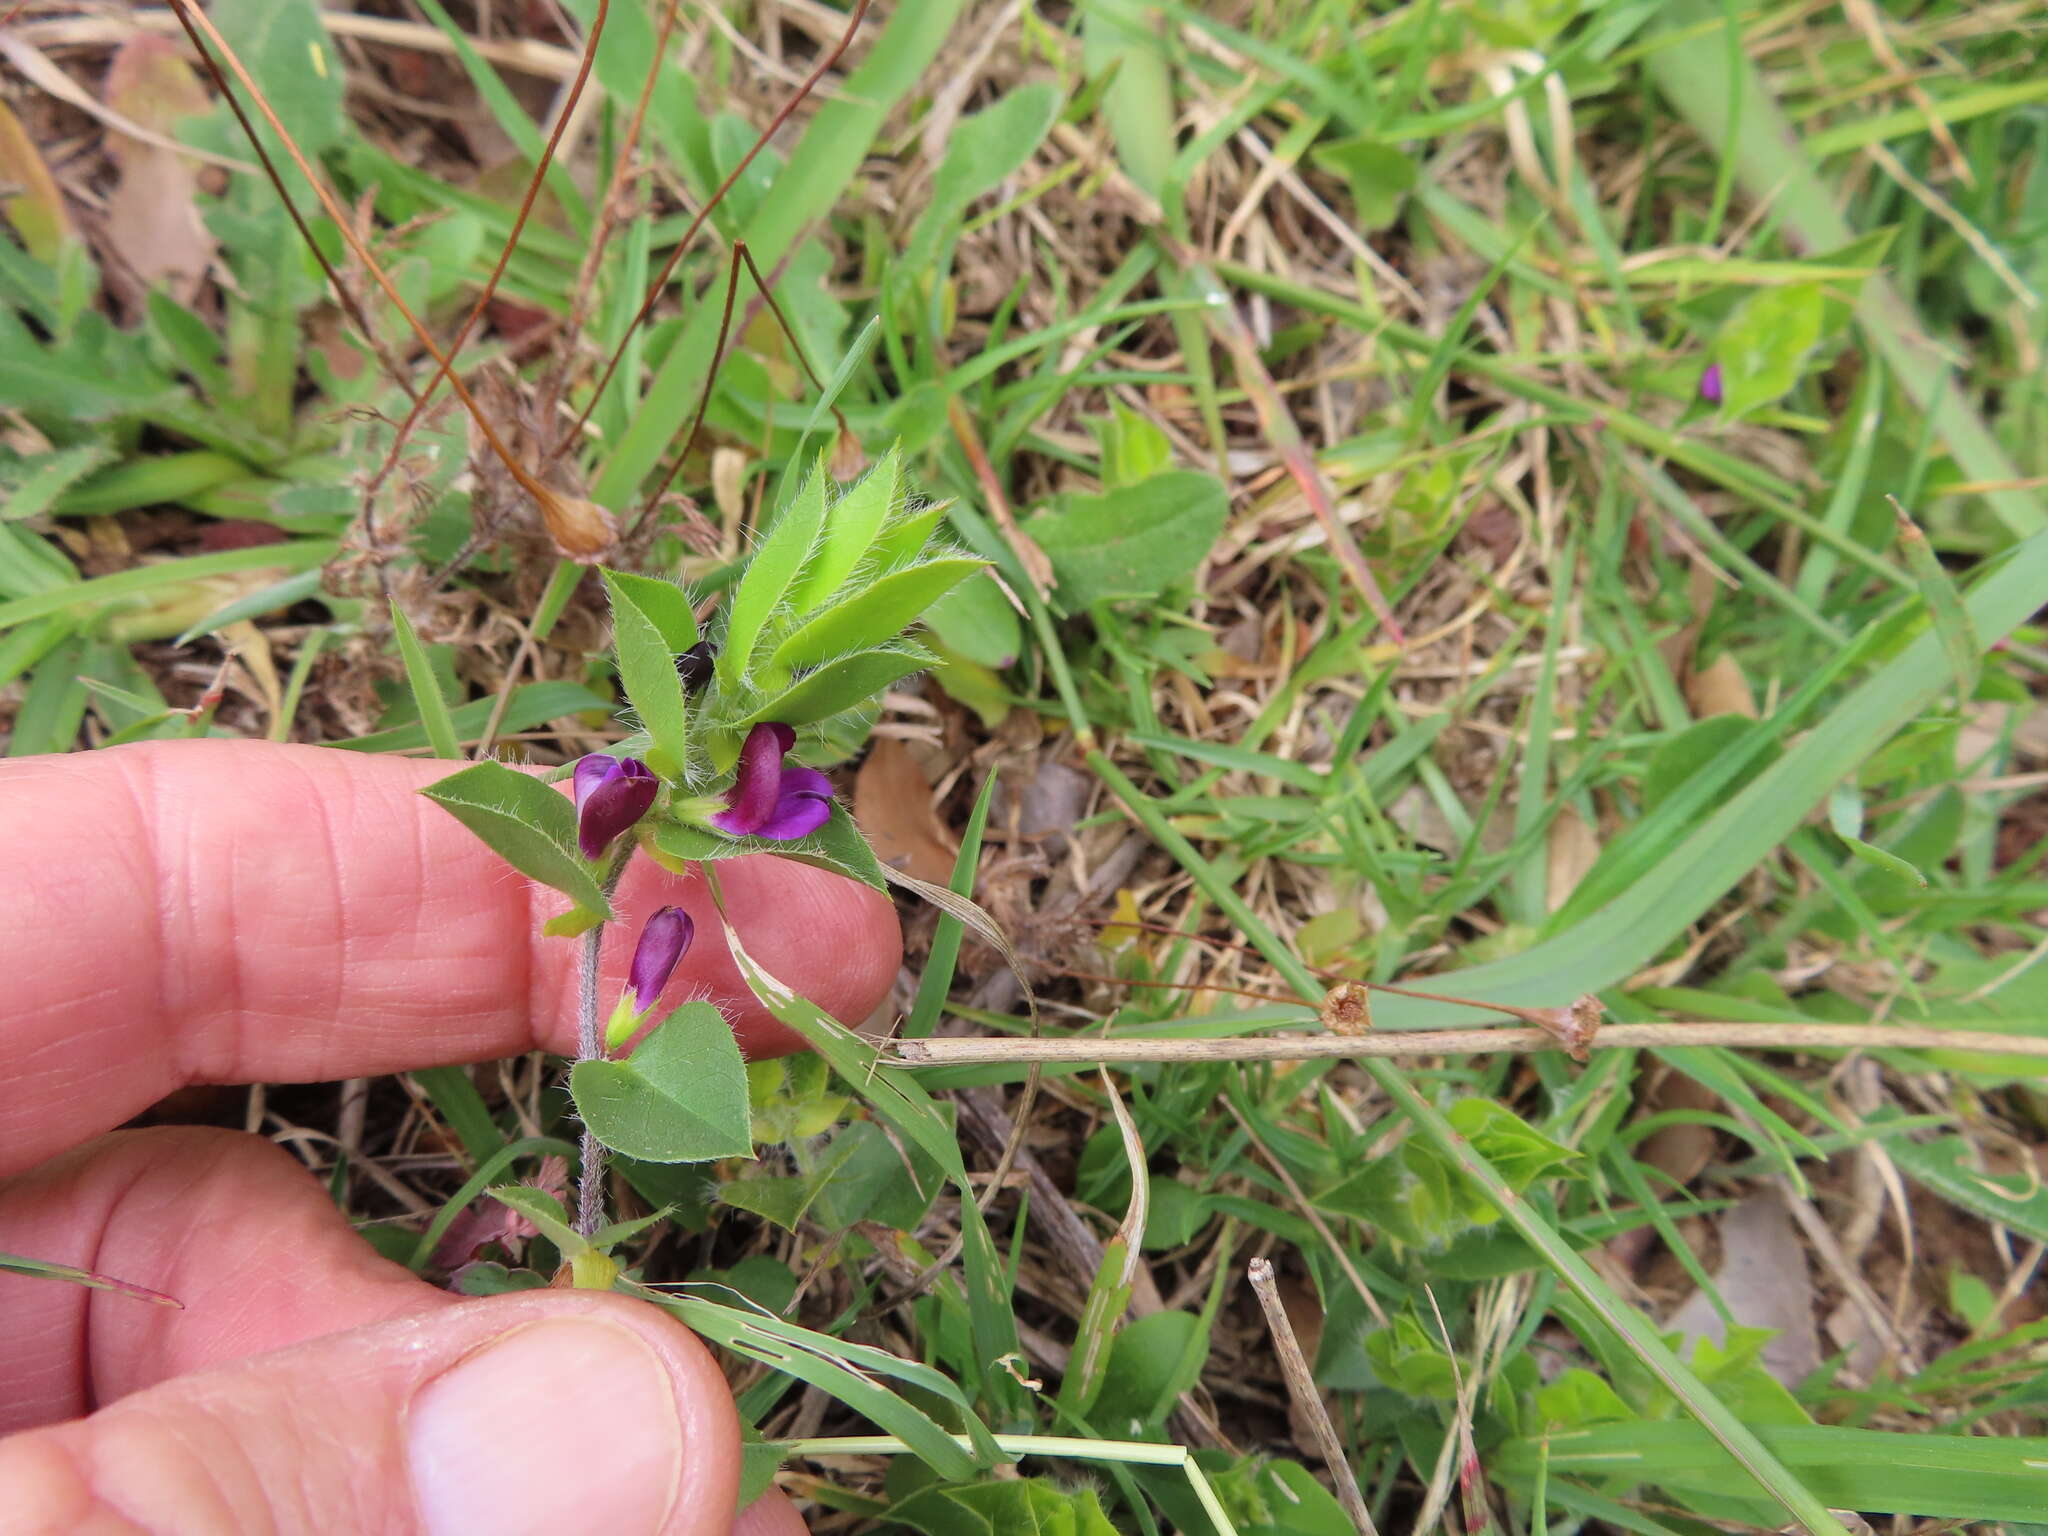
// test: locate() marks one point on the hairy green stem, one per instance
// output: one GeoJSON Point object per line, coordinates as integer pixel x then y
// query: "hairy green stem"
{"type": "Point", "coordinates": [590, 1046]}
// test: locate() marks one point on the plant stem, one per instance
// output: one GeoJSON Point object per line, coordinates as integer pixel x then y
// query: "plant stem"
{"type": "Point", "coordinates": [590, 1174]}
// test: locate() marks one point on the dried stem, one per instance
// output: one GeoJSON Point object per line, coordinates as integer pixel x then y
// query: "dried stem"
{"type": "Point", "coordinates": [1092, 1049]}
{"type": "Point", "coordinates": [1301, 1386]}
{"type": "Point", "coordinates": [732, 285]}
{"type": "Point", "coordinates": [343, 295]}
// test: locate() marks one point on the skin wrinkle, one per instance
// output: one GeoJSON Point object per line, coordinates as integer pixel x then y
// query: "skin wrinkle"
{"type": "Point", "coordinates": [138, 778]}
{"type": "Point", "coordinates": [339, 954]}
{"type": "Point", "coordinates": [93, 1385]}
{"type": "Point", "coordinates": [450, 972]}
{"type": "Point", "coordinates": [125, 1347]}
{"type": "Point", "coordinates": [69, 1459]}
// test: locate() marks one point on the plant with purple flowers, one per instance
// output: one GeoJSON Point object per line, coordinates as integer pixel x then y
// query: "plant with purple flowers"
{"type": "Point", "coordinates": [812, 634]}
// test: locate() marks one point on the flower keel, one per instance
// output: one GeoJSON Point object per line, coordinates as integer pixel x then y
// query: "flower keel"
{"type": "Point", "coordinates": [769, 800]}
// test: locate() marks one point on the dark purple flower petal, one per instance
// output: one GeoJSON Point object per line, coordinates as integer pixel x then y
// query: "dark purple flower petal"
{"type": "Point", "coordinates": [592, 771]}
{"type": "Point", "coordinates": [611, 794]}
{"type": "Point", "coordinates": [664, 940]}
{"type": "Point", "coordinates": [756, 790]}
{"type": "Point", "coordinates": [803, 806]}
{"type": "Point", "coordinates": [1710, 384]}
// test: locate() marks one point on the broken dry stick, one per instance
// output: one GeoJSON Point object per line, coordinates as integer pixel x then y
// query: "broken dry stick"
{"type": "Point", "coordinates": [1092, 1049]}
{"type": "Point", "coordinates": [1301, 1386]}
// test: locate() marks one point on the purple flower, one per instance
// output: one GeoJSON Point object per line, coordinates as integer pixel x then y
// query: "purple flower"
{"type": "Point", "coordinates": [611, 794]}
{"type": "Point", "coordinates": [769, 800]}
{"type": "Point", "coordinates": [664, 940]}
{"type": "Point", "coordinates": [1710, 384]}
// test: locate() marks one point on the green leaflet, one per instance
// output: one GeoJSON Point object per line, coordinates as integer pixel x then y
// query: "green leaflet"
{"type": "Point", "coordinates": [851, 525]}
{"type": "Point", "coordinates": [648, 617]}
{"type": "Point", "coordinates": [769, 576]}
{"type": "Point", "coordinates": [874, 614]}
{"type": "Point", "coordinates": [681, 1097]}
{"type": "Point", "coordinates": [528, 825]}
{"type": "Point", "coordinates": [842, 684]}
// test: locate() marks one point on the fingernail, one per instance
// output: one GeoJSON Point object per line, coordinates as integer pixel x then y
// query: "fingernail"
{"type": "Point", "coordinates": [569, 1424]}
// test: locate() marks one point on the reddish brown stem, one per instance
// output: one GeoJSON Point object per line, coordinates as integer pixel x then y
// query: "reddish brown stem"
{"type": "Point", "coordinates": [675, 256]}
{"type": "Point", "coordinates": [342, 295]}
{"type": "Point", "coordinates": [732, 283]}
{"type": "Point", "coordinates": [741, 255]}
{"type": "Point", "coordinates": [490, 288]}
{"type": "Point", "coordinates": [192, 17]}
{"type": "Point", "coordinates": [607, 217]}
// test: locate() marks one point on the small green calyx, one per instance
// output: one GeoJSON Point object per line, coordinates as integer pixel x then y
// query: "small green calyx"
{"type": "Point", "coordinates": [696, 810]}
{"type": "Point", "coordinates": [625, 1020]}
{"type": "Point", "coordinates": [572, 923]}
{"type": "Point", "coordinates": [590, 1270]}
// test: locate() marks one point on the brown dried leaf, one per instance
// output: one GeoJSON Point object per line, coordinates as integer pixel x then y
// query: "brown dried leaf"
{"type": "Point", "coordinates": [1681, 1150]}
{"type": "Point", "coordinates": [1574, 849]}
{"type": "Point", "coordinates": [892, 801]}
{"type": "Point", "coordinates": [849, 458]}
{"type": "Point", "coordinates": [1719, 688]}
{"type": "Point", "coordinates": [153, 221]}
{"type": "Point", "coordinates": [1763, 1279]}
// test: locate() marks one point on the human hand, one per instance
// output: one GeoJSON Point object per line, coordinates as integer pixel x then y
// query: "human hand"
{"type": "Point", "coordinates": [225, 912]}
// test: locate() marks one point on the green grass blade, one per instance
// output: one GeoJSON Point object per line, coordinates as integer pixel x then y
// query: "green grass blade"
{"type": "Point", "coordinates": [1608, 945]}
{"type": "Point", "coordinates": [490, 1171]}
{"type": "Point", "coordinates": [809, 186]}
{"type": "Point", "coordinates": [1945, 1477]}
{"type": "Point", "coordinates": [455, 1098]}
{"type": "Point", "coordinates": [426, 688]}
{"type": "Point", "coordinates": [937, 980]}
{"type": "Point", "coordinates": [1693, 71]}
{"type": "Point", "coordinates": [1640, 1335]}
{"type": "Point", "coordinates": [85, 596]}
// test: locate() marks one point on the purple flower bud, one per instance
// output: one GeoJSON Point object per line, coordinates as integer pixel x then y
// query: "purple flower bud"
{"type": "Point", "coordinates": [611, 794]}
{"type": "Point", "coordinates": [696, 665]}
{"type": "Point", "coordinates": [1710, 384]}
{"type": "Point", "coordinates": [664, 940]}
{"type": "Point", "coordinates": [769, 800]}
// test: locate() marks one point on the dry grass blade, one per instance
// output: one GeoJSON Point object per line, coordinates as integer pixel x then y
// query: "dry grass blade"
{"type": "Point", "coordinates": [608, 211]}
{"type": "Point", "coordinates": [969, 913]}
{"type": "Point", "coordinates": [1230, 329]}
{"type": "Point", "coordinates": [343, 294]}
{"type": "Point", "coordinates": [1301, 1387]}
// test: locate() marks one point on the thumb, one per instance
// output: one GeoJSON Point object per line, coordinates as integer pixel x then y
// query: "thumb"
{"type": "Point", "coordinates": [546, 1411]}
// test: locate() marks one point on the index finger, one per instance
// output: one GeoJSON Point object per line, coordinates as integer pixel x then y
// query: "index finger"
{"type": "Point", "coordinates": [215, 911]}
